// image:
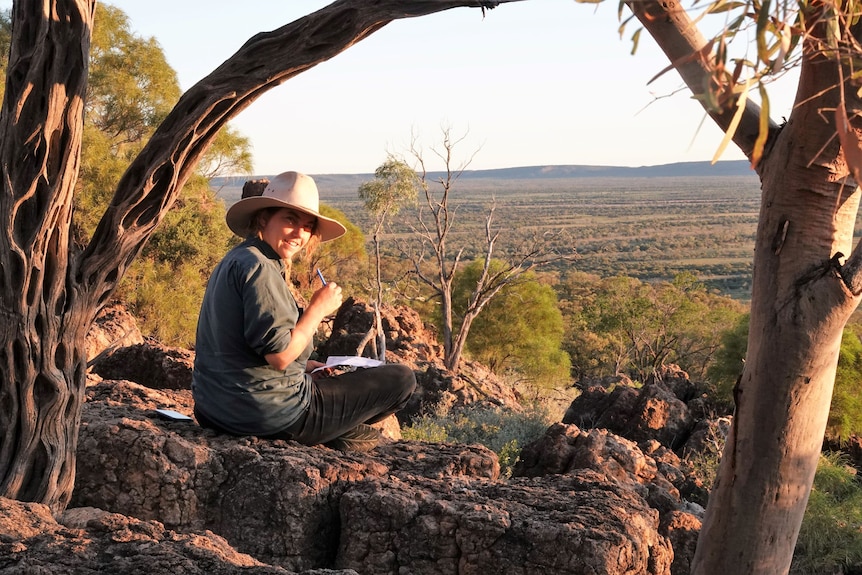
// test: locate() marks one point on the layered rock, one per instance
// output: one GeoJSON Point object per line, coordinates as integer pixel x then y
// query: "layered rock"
{"type": "Point", "coordinates": [406, 507]}
{"type": "Point", "coordinates": [92, 541]}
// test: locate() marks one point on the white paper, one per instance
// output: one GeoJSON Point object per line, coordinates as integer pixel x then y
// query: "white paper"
{"type": "Point", "coordinates": [171, 414]}
{"type": "Point", "coordinates": [351, 360]}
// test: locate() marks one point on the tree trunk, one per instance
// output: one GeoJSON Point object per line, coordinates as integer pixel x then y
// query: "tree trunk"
{"type": "Point", "coordinates": [446, 312]}
{"type": "Point", "coordinates": [43, 330]}
{"type": "Point", "coordinates": [800, 303]}
{"type": "Point", "coordinates": [453, 359]}
{"type": "Point", "coordinates": [50, 293]}
{"type": "Point", "coordinates": [378, 303]}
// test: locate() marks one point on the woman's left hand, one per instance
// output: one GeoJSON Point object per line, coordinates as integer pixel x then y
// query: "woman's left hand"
{"type": "Point", "coordinates": [311, 365]}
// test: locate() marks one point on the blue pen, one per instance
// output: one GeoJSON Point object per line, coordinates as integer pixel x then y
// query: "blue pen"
{"type": "Point", "coordinates": [320, 275]}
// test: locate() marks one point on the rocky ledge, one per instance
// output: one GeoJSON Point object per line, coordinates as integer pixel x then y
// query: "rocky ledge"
{"type": "Point", "coordinates": [158, 496]}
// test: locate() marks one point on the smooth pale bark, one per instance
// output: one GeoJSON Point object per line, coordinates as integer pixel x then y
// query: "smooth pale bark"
{"type": "Point", "coordinates": [800, 304]}
{"type": "Point", "coordinates": [49, 291]}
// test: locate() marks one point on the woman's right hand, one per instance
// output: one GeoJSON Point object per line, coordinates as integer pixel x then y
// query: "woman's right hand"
{"type": "Point", "coordinates": [328, 298]}
{"type": "Point", "coordinates": [324, 302]}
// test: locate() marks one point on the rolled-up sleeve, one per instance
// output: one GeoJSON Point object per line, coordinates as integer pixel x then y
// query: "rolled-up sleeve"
{"type": "Point", "coordinates": [267, 321]}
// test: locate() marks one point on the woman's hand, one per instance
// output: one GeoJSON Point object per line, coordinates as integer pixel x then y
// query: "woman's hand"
{"type": "Point", "coordinates": [328, 299]}
{"type": "Point", "coordinates": [312, 364]}
{"type": "Point", "coordinates": [324, 302]}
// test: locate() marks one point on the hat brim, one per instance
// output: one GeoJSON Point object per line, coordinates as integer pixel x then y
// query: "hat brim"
{"type": "Point", "coordinates": [239, 217]}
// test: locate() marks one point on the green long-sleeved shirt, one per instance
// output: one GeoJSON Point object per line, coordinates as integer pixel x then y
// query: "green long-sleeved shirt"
{"type": "Point", "coordinates": [247, 313]}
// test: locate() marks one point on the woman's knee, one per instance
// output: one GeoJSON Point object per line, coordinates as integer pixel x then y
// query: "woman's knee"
{"type": "Point", "coordinates": [406, 378]}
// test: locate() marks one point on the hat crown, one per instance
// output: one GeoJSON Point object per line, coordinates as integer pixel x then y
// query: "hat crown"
{"type": "Point", "coordinates": [296, 189]}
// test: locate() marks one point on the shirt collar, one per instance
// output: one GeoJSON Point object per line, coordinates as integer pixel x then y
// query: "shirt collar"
{"type": "Point", "coordinates": [264, 248]}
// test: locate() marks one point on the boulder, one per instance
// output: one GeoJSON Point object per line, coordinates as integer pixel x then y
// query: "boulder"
{"type": "Point", "coordinates": [148, 363]}
{"type": "Point", "coordinates": [114, 327]}
{"type": "Point", "coordinates": [566, 448]}
{"type": "Point", "coordinates": [579, 523]}
{"type": "Point", "coordinates": [681, 529]}
{"type": "Point", "coordinates": [655, 473]}
{"type": "Point", "coordinates": [652, 411]}
{"type": "Point", "coordinates": [93, 541]}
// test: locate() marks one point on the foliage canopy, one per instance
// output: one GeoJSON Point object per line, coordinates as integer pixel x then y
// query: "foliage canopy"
{"type": "Point", "coordinates": [520, 331]}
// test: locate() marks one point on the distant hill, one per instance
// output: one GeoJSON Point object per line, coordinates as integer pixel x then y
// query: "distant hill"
{"type": "Point", "coordinates": [348, 183]}
{"type": "Point", "coordinates": [682, 169]}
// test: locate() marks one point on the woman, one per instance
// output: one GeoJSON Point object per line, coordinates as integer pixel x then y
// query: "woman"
{"type": "Point", "coordinates": [252, 375]}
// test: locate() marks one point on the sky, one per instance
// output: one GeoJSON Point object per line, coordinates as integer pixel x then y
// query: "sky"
{"type": "Point", "coordinates": [540, 82]}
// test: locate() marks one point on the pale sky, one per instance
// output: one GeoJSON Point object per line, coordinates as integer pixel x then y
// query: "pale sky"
{"type": "Point", "coordinates": [538, 82]}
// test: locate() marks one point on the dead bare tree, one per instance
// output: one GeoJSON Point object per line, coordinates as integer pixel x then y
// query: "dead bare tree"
{"type": "Point", "coordinates": [435, 221]}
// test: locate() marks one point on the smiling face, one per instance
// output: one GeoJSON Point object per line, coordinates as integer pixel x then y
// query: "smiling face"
{"type": "Point", "coordinates": [288, 231]}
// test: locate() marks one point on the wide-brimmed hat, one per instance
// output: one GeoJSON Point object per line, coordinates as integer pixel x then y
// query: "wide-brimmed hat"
{"type": "Point", "coordinates": [287, 190]}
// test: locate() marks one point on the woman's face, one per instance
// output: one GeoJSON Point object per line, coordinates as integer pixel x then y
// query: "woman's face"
{"type": "Point", "coordinates": [288, 231]}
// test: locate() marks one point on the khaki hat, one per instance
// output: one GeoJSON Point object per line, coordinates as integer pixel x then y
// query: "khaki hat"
{"type": "Point", "coordinates": [287, 190]}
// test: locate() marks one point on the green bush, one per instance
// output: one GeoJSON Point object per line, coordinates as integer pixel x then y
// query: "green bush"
{"type": "Point", "coordinates": [845, 412]}
{"type": "Point", "coordinates": [729, 358]}
{"type": "Point", "coordinates": [504, 431]}
{"type": "Point", "coordinates": [622, 325]}
{"type": "Point", "coordinates": [519, 333]}
{"type": "Point", "coordinates": [164, 286]}
{"type": "Point", "coordinates": [830, 539]}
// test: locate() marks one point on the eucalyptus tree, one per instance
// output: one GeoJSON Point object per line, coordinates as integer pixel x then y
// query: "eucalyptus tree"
{"type": "Point", "coordinates": [806, 281]}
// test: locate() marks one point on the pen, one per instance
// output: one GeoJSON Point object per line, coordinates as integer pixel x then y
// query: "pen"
{"type": "Point", "coordinates": [320, 275]}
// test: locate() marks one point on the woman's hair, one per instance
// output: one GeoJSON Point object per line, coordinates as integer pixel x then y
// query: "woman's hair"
{"type": "Point", "coordinates": [262, 216]}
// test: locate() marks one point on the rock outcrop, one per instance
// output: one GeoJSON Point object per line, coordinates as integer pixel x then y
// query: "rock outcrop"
{"type": "Point", "coordinates": [406, 507]}
{"type": "Point", "coordinates": [93, 541]}
{"type": "Point", "coordinates": [113, 329]}
{"type": "Point", "coordinates": [603, 493]}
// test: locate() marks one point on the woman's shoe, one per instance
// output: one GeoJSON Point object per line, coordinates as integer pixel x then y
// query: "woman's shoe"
{"type": "Point", "coordinates": [361, 438]}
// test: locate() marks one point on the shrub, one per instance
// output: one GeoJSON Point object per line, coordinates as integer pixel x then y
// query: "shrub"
{"type": "Point", "coordinates": [503, 431]}
{"type": "Point", "coordinates": [845, 411]}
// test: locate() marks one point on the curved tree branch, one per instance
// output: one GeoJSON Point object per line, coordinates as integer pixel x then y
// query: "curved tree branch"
{"type": "Point", "coordinates": [686, 48]}
{"type": "Point", "coordinates": [151, 184]}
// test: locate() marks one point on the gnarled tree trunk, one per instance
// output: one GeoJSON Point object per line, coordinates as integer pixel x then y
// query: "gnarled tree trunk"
{"type": "Point", "coordinates": [43, 324]}
{"type": "Point", "coordinates": [50, 293]}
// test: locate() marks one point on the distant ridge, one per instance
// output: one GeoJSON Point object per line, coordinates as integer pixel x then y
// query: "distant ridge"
{"type": "Point", "coordinates": [681, 169]}
{"type": "Point", "coordinates": [230, 186]}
